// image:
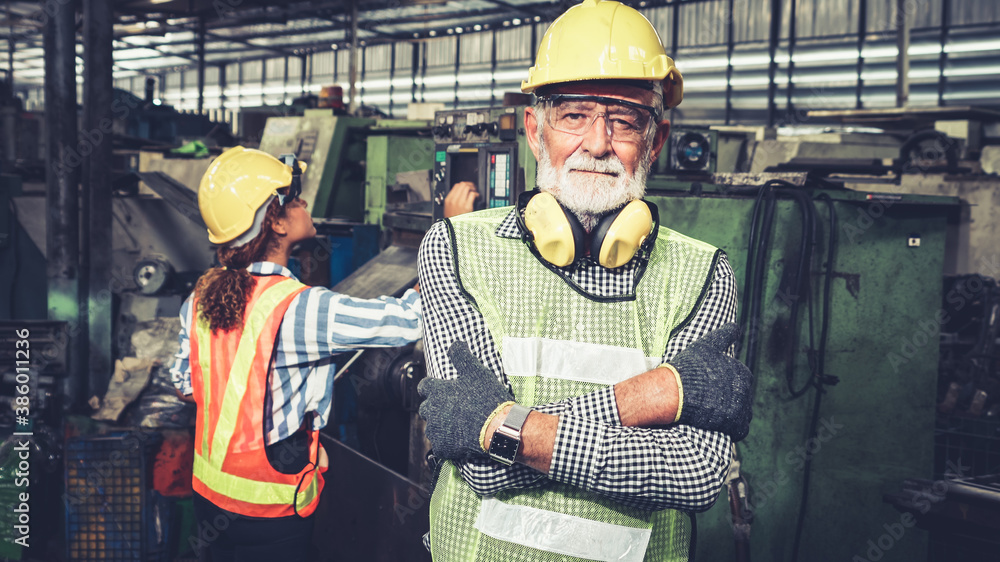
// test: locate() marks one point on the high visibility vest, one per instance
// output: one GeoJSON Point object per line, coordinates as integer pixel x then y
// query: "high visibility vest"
{"type": "Point", "coordinates": [229, 375]}
{"type": "Point", "coordinates": [555, 341]}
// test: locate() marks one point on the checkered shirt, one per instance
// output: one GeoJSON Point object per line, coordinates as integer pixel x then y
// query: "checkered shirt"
{"type": "Point", "coordinates": [678, 467]}
{"type": "Point", "coordinates": [318, 325]}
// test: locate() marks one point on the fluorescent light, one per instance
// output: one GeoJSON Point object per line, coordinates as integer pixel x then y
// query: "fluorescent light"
{"type": "Point", "coordinates": [832, 77]}
{"type": "Point", "coordinates": [750, 81]}
{"type": "Point", "coordinates": [972, 46]}
{"type": "Point", "coordinates": [715, 62]}
{"type": "Point", "coordinates": [830, 55]}
{"type": "Point", "coordinates": [705, 83]}
{"type": "Point", "coordinates": [972, 71]}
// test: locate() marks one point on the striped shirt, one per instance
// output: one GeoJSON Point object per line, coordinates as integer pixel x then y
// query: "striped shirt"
{"type": "Point", "coordinates": [318, 325]}
{"type": "Point", "coordinates": [678, 467]}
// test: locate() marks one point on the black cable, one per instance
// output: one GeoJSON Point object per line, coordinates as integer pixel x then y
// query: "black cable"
{"type": "Point", "coordinates": [760, 267]}
{"type": "Point", "coordinates": [751, 250]}
{"type": "Point", "coordinates": [801, 277]}
{"type": "Point", "coordinates": [819, 377]}
{"type": "Point", "coordinates": [761, 226]}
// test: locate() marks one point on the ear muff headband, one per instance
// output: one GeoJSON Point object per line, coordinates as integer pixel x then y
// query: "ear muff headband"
{"type": "Point", "coordinates": [559, 238]}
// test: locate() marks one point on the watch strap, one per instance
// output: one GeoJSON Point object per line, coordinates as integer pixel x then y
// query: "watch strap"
{"type": "Point", "coordinates": [515, 418]}
{"type": "Point", "coordinates": [489, 420]}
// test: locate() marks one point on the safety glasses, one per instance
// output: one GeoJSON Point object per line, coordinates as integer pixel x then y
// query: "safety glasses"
{"type": "Point", "coordinates": [292, 192]}
{"type": "Point", "coordinates": [575, 114]}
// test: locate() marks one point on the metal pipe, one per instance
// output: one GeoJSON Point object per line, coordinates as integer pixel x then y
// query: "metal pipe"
{"type": "Point", "coordinates": [10, 47]}
{"type": "Point", "coordinates": [675, 32]}
{"type": "Point", "coordinates": [392, 75]}
{"type": "Point", "coordinates": [458, 65]}
{"type": "Point", "coordinates": [943, 57]}
{"type": "Point", "coordinates": [10, 110]}
{"type": "Point", "coordinates": [200, 47]}
{"type": "Point", "coordinates": [302, 75]}
{"type": "Point", "coordinates": [862, 32]}
{"type": "Point", "coordinates": [98, 32]}
{"type": "Point", "coordinates": [790, 85]}
{"type": "Point", "coordinates": [62, 178]}
{"type": "Point", "coordinates": [423, 71]}
{"type": "Point", "coordinates": [774, 36]}
{"type": "Point", "coordinates": [493, 67]}
{"type": "Point", "coordinates": [903, 56]}
{"type": "Point", "coordinates": [222, 90]}
{"type": "Point", "coordinates": [534, 40]}
{"type": "Point", "coordinates": [415, 69]}
{"type": "Point", "coordinates": [353, 68]}
{"type": "Point", "coordinates": [263, 82]}
{"type": "Point", "coordinates": [730, 46]}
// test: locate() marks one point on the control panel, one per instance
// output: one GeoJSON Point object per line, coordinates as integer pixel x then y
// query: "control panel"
{"type": "Point", "coordinates": [477, 125]}
{"type": "Point", "coordinates": [485, 147]}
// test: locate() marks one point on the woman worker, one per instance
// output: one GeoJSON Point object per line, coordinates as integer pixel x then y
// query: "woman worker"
{"type": "Point", "coordinates": [256, 349]}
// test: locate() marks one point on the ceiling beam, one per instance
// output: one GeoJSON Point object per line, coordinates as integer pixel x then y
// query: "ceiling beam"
{"type": "Point", "coordinates": [246, 42]}
{"type": "Point", "coordinates": [167, 53]}
{"type": "Point", "coordinates": [525, 9]}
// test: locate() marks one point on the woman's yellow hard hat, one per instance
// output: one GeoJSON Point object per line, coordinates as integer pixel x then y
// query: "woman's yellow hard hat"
{"type": "Point", "coordinates": [235, 186]}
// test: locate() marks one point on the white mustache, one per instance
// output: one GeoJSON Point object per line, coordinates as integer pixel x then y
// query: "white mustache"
{"type": "Point", "coordinates": [586, 163]}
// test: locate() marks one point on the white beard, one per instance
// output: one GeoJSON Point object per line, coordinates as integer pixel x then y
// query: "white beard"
{"type": "Point", "coordinates": [591, 196]}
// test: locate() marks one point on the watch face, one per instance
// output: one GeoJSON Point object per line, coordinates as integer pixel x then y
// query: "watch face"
{"type": "Point", "coordinates": [503, 448]}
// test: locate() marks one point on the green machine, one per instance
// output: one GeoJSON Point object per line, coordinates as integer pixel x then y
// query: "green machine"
{"type": "Point", "coordinates": [398, 164]}
{"type": "Point", "coordinates": [841, 332]}
{"type": "Point", "coordinates": [351, 160]}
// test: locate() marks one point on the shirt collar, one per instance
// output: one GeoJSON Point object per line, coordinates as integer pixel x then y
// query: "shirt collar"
{"type": "Point", "coordinates": [270, 268]}
{"type": "Point", "coordinates": [508, 226]}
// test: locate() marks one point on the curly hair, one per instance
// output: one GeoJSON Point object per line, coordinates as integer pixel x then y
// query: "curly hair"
{"type": "Point", "coordinates": [223, 292]}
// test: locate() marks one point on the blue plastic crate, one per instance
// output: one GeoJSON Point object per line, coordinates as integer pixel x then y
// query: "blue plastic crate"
{"type": "Point", "coordinates": [110, 512]}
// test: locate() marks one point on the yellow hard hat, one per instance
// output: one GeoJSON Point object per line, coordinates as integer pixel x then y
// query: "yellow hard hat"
{"type": "Point", "coordinates": [602, 40]}
{"type": "Point", "coordinates": [235, 186]}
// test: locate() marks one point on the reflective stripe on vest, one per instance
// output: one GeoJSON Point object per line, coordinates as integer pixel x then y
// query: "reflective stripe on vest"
{"type": "Point", "coordinates": [561, 534]}
{"type": "Point", "coordinates": [557, 342]}
{"type": "Point", "coordinates": [557, 359]}
{"type": "Point", "coordinates": [252, 491]}
{"type": "Point", "coordinates": [215, 445]}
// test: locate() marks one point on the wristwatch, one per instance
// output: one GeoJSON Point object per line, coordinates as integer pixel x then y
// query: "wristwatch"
{"type": "Point", "coordinates": [507, 438]}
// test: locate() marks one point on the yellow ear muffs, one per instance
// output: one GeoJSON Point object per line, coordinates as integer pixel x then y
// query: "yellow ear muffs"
{"type": "Point", "coordinates": [558, 235]}
{"type": "Point", "coordinates": [618, 236]}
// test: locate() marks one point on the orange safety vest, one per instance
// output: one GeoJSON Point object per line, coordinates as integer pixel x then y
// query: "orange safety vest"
{"type": "Point", "coordinates": [230, 465]}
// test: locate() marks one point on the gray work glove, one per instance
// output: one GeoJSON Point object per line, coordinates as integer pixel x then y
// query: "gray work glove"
{"type": "Point", "coordinates": [457, 409]}
{"type": "Point", "coordinates": [716, 388]}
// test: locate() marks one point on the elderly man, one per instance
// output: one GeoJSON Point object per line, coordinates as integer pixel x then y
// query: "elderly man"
{"type": "Point", "coordinates": [580, 390]}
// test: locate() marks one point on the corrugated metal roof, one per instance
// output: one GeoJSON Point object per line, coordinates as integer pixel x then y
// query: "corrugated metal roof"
{"type": "Point", "coordinates": [243, 29]}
